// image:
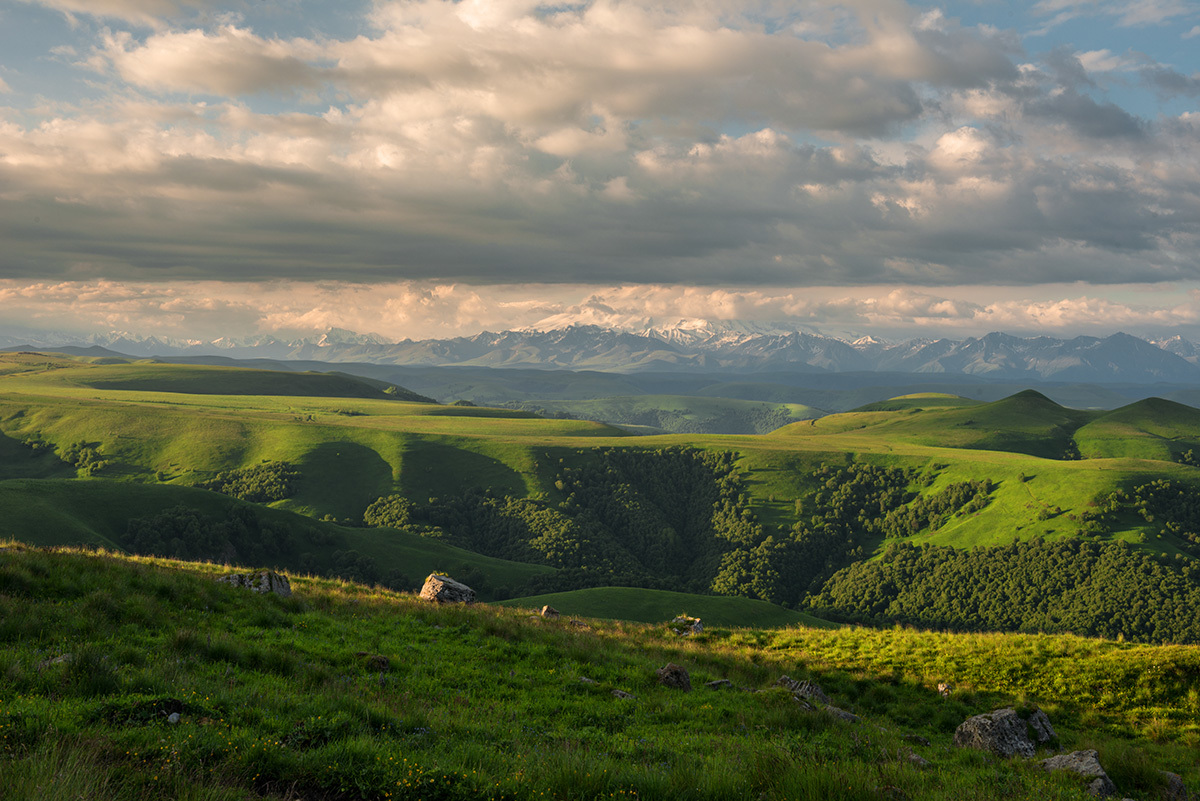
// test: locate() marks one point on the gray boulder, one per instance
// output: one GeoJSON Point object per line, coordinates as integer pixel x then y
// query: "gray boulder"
{"type": "Point", "coordinates": [1005, 733]}
{"type": "Point", "coordinates": [1086, 764]}
{"type": "Point", "coordinates": [685, 626]}
{"type": "Point", "coordinates": [549, 611]}
{"type": "Point", "coordinates": [674, 676]}
{"type": "Point", "coordinates": [445, 590]}
{"type": "Point", "coordinates": [1175, 790]}
{"type": "Point", "coordinates": [265, 581]}
{"type": "Point", "coordinates": [804, 690]}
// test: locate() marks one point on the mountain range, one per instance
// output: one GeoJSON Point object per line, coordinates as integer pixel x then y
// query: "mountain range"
{"type": "Point", "coordinates": [699, 346]}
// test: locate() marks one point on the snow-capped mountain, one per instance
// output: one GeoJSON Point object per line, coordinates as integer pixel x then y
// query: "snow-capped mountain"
{"type": "Point", "coordinates": [696, 345]}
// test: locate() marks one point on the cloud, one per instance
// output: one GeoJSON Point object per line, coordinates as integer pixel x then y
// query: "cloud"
{"type": "Point", "coordinates": [232, 61]}
{"type": "Point", "coordinates": [1127, 13]}
{"type": "Point", "coordinates": [705, 142]}
{"type": "Point", "coordinates": [142, 12]}
{"type": "Point", "coordinates": [4, 87]}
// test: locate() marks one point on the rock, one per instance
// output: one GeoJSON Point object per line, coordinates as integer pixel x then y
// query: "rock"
{"type": "Point", "coordinates": [1043, 731]}
{"type": "Point", "coordinates": [944, 689]}
{"type": "Point", "coordinates": [445, 590]}
{"type": "Point", "coordinates": [1175, 790]}
{"type": "Point", "coordinates": [65, 659]}
{"type": "Point", "coordinates": [719, 684]}
{"type": "Point", "coordinates": [842, 714]}
{"type": "Point", "coordinates": [915, 739]}
{"type": "Point", "coordinates": [377, 663]}
{"type": "Point", "coordinates": [1086, 764]}
{"type": "Point", "coordinates": [579, 624]}
{"type": "Point", "coordinates": [549, 611]}
{"type": "Point", "coordinates": [586, 680]}
{"type": "Point", "coordinates": [1003, 732]}
{"type": "Point", "coordinates": [266, 581]}
{"type": "Point", "coordinates": [685, 626]}
{"type": "Point", "coordinates": [673, 676]}
{"type": "Point", "coordinates": [916, 760]}
{"type": "Point", "coordinates": [622, 694]}
{"type": "Point", "coordinates": [173, 718]}
{"type": "Point", "coordinates": [803, 689]}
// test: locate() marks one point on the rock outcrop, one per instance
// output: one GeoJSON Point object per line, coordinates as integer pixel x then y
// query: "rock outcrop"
{"type": "Point", "coordinates": [266, 581]}
{"type": "Point", "coordinates": [1005, 733]}
{"type": "Point", "coordinates": [1086, 764]}
{"type": "Point", "coordinates": [803, 690]}
{"type": "Point", "coordinates": [445, 590]}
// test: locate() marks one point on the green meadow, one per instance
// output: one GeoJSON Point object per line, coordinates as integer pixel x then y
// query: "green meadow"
{"type": "Point", "coordinates": [129, 679]}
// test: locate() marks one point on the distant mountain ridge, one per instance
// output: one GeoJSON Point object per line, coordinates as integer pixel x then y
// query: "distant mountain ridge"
{"type": "Point", "coordinates": [700, 346]}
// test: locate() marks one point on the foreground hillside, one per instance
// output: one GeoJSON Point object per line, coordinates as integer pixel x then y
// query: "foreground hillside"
{"type": "Point", "coordinates": [130, 679]}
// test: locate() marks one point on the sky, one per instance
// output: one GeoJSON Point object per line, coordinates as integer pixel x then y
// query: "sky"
{"type": "Point", "coordinates": [424, 168]}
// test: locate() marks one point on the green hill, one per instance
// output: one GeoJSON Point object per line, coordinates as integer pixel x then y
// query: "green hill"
{"type": "Point", "coordinates": [656, 606]}
{"type": "Point", "coordinates": [203, 380]}
{"type": "Point", "coordinates": [679, 414]}
{"type": "Point", "coordinates": [127, 680]}
{"type": "Point", "coordinates": [1148, 429]}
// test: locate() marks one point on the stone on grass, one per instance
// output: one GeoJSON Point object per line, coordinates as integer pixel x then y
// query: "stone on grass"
{"type": "Point", "coordinates": [1175, 790]}
{"type": "Point", "coordinates": [673, 676]}
{"type": "Point", "coordinates": [1087, 765]}
{"type": "Point", "coordinates": [1004, 733]}
{"type": "Point", "coordinates": [549, 611]}
{"type": "Point", "coordinates": [842, 714]}
{"type": "Point", "coordinates": [264, 581]}
{"type": "Point", "coordinates": [445, 590]}
{"type": "Point", "coordinates": [806, 690]}
{"type": "Point", "coordinates": [719, 684]}
{"type": "Point", "coordinates": [685, 626]}
{"type": "Point", "coordinates": [622, 694]}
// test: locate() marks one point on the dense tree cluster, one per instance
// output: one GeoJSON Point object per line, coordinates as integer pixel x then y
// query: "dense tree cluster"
{"type": "Point", "coordinates": [1170, 505]}
{"type": "Point", "coordinates": [262, 483]}
{"type": "Point", "coordinates": [642, 518]}
{"type": "Point", "coordinates": [935, 510]}
{"type": "Point", "coordinates": [1089, 588]}
{"type": "Point", "coordinates": [84, 456]}
{"type": "Point", "coordinates": [180, 532]}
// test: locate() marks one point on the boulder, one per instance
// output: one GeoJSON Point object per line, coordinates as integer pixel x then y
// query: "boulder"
{"type": "Point", "coordinates": [623, 694]}
{"type": "Point", "coordinates": [1175, 790]}
{"type": "Point", "coordinates": [445, 590]}
{"type": "Point", "coordinates": [1086, 764]}
{"type": "Point", "coordinates": [685, 626]}
{"type": "Point", "coordinates": [549, 611]}
{"type": "Point", "coordinates": [674, 676]}
{"type": "Point", "coordinates": [805, 690]}
{"type": "Point", "coordinates": [719, 684]}
{"type": "Point", "coordinates": [265, 581]}
{"type": "Point", "coordinates": [842, 714]}
{"type": "Point", "coordinates": [1005, 733]}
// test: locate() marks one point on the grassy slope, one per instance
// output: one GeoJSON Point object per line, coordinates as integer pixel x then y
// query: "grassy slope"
{"type": "Point", "coordinates": [58, 512]}
{"type": "Point", "coordinates": [655, 606]}
{"type": "Point", "coordinates": [423, 450]}
{"type": "Point", "coordinates": [1149, 429]}
{"type": "Point", "coordinates": [684, 413]}
{"type": "Point", "coordinates": [202, 380]}
{"type": "Point", "coordinates": [282, 699]}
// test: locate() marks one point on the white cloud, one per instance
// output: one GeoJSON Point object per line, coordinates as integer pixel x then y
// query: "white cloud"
{"type": "Point", "coordinates": [4, 87]}
{"type": "Point", "coordinates": [1104, 61]}
{"type": "Point", "coordinates": [232, 61]}
{"type": "Point", "coordinates": [1193, 33]}
{"type": "Point", "coordinates": [142, 12]}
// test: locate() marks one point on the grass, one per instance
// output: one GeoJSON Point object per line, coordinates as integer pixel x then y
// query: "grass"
{"type": "Point", "coordinates": [343, 692]}
{"type": "Point", "coordinates": [655, 606]}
